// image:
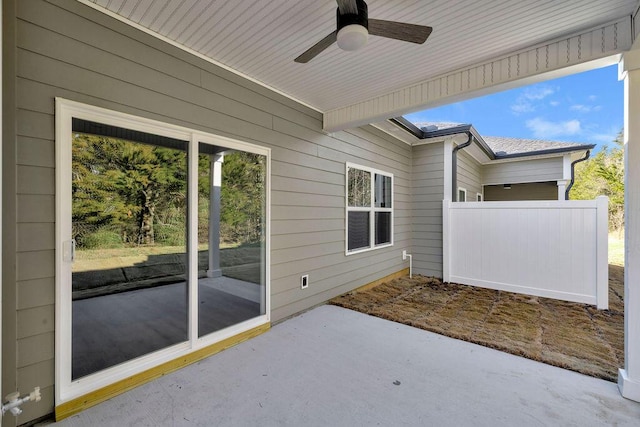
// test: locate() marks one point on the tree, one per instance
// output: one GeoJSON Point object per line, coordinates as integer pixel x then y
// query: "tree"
{"type": "Point", "coordinates": [242, 197]}
{"type": "Point", "coordinates": [603, 174]}
{"type": "Point", "coordinates": [119, 184]}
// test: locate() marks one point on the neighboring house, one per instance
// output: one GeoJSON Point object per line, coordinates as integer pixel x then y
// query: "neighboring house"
{"type": "Point", "coordinates": [342, 198]}
{"type": "Point", "coordinates": [500, 168]}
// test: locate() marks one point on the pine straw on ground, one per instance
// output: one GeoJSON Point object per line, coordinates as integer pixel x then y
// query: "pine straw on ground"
{"type": "Point", "coordinates": [569, 335]}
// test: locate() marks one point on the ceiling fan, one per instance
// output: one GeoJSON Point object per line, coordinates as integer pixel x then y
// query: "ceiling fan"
{"type": "Point", "coordinates": [354, 25]}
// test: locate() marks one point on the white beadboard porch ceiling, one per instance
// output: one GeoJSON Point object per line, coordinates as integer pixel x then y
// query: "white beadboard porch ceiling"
{"type": "Point", "coordinates": [261, 38]}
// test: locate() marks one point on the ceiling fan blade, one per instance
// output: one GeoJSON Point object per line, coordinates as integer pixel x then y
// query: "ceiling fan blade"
{"type": "Point", "coordinates": [317, 48]}
{"type": "Point", "coordinates": [399, 30]}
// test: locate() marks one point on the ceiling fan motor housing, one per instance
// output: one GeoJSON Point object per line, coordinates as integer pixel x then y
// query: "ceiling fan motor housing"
{"type": "Point", "coordinates": [353, 28]}
{"type": "Point", "coordinates": [361, 18]}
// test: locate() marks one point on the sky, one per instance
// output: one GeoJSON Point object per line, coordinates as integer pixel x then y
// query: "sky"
{"type": "Point", "coordinates": [585, 108]}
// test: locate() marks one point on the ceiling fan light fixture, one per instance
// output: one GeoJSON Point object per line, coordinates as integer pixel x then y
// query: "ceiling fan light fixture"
{"type": "Point", "coordinates": [353, 27]}
{"type": "Point", "coordinates": [352, 37]}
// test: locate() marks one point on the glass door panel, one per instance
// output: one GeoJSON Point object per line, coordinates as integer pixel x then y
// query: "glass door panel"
{"type": "Point", "coordinates": [129, 274]}
{"type": "Point", "coordinates": [231, 237]}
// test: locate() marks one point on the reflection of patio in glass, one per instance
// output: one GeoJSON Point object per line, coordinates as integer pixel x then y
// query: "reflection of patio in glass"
{"type": "Point", "coordinates": [113, 328]}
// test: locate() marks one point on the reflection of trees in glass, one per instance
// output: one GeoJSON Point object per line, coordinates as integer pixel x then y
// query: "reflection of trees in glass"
{"type": "Point", "coordinates": [243, 201]}
{"type": "Point", "coordinates": [382, 191]}
{"type": "Point", "coordinates": [126, 189]}
{"type": "Point", "coordinates": [359, 187]}
{"type": "Point", "coordinates": [242, 198]}
{"type": "Point", "coordinates": [127, 194]}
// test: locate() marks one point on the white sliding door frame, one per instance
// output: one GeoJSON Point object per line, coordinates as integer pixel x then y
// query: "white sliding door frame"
{"type": "Point", "coordinates": [65, 388]}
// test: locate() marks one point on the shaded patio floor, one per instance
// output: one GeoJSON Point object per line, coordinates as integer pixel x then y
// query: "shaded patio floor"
{"type": "Point", "coordinates": [333, 366]}
{"type": "Point", "coordinates": [114, 328]}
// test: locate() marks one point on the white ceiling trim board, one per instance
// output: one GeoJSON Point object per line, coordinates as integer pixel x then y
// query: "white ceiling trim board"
{"type": "Point", "coordinates": [191, 51]}
{"type": "Point", "coordinates": [585, 50]}
{"type": "Point", "coordinates": [635, 18]}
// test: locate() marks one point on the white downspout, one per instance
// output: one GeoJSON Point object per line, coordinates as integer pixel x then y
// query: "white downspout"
{"type": "Point", "coordinates": [405, 255]}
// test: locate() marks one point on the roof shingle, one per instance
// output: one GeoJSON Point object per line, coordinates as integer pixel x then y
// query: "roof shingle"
{"type": "Point", "coordinates": [505, 146]}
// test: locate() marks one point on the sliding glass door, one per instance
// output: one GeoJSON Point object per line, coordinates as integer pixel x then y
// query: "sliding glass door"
{"type": "Point", "coordinates": [129, 288]}
{"type": "Point", "coordinates": [231, 237]}
{"type": "Point", "coordinates": [162, 235]}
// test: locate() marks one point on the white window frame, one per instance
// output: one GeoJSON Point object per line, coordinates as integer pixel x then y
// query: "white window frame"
{"type": "Point", "coordinates": [372, 209]}
{"type": "Point", "coordinates": [464, 191]}
{"type": "Point", "coordinates": [479, 197]}
{"type": "Point", "coordinates": [67, 389]}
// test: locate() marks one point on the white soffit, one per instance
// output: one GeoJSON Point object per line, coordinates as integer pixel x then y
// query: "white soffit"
{"type": "Point", "coordinates": [476, 46]}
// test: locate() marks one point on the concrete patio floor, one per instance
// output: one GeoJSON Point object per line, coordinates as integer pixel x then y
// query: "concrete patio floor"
{"type": "Point", "coordinates": [335, 367]}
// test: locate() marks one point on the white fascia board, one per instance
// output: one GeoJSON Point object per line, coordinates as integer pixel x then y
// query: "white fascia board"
{"type": "Point", "coordinates": [597, 47]}
{"type": "Point", "coordinates": [578, 154]}
{"type": "Point", "coordinates": [456, 138]}
{"type": "Point", "coordinates": [396, 132]}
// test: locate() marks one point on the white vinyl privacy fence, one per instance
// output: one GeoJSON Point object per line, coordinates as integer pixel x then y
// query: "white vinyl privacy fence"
{"type": "Point", "coordinates": [554, 249]}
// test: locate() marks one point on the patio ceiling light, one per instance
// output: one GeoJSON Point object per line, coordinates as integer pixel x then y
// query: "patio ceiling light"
{"type": "Point", "coordinates": [352, 37]}
{"type": "Point", "coordinates": [507, 187]}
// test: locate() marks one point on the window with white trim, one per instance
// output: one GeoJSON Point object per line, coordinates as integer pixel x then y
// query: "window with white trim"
{"type": "Point", "coordinates": [478, 197]}
{"type": "Point", "coordinates": [462, 194]}
{"type": "Point", "coordinates": [369, 223]}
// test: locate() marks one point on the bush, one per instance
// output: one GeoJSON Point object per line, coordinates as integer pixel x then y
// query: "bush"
{"type": "Point", "coordinates": [170, 235]}
{"type": "Point", "coordinates": [101, 239]}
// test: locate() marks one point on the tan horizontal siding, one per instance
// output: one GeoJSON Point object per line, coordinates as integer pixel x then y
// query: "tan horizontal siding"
{"type": "Point", "coordinates": [535, 170]}
{"type": "Point", "coordinates": [36, 236]}
{"type": "Point", "coordinates": [65, 49]}
{"type": "Point", "coordinates": [36, 293]}
{"type": "Point", "coordinates": [282, 241]}
{"type": "Point", "coordinates": [35, 321]}
{"type": "Point", "coordinates": [306, 212]}
{"type": "Point", "coordinates": [296, 171]}
{"type": "Point", "coordinates": [469, 175]}
{"type": "Point", "coordinates": [35, 208]}
{"type": "Point", "coordinates": [36, 152]}
{"type": "Point", "coordinates": [35, 264]}
{"type": "Point", "coordinates": [428, 192]}
{"type": "Point", "coordinates": [532, 191]}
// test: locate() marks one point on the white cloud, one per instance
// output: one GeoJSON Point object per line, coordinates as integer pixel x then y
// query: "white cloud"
{"type": "Point", "coordinates": [581, 108]}
{"type": "Point", "coordinates": [542, 128]}
{"type": "Point", "coordinates": [522, 106]}
{"type": "Point", "coordinates": [554, 103]}
{"type": "Point", "coordinates": [538, 93]}
{"type": "Point", "coordinates": [526, 102]}
{"type": "Point", "coordinates": [602, 136]}
{"type": "Point", "coordinates": [592, 98]}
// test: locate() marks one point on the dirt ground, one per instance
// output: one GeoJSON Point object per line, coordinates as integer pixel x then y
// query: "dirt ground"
{"type": "Point", "coordinates": [569, 335]}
